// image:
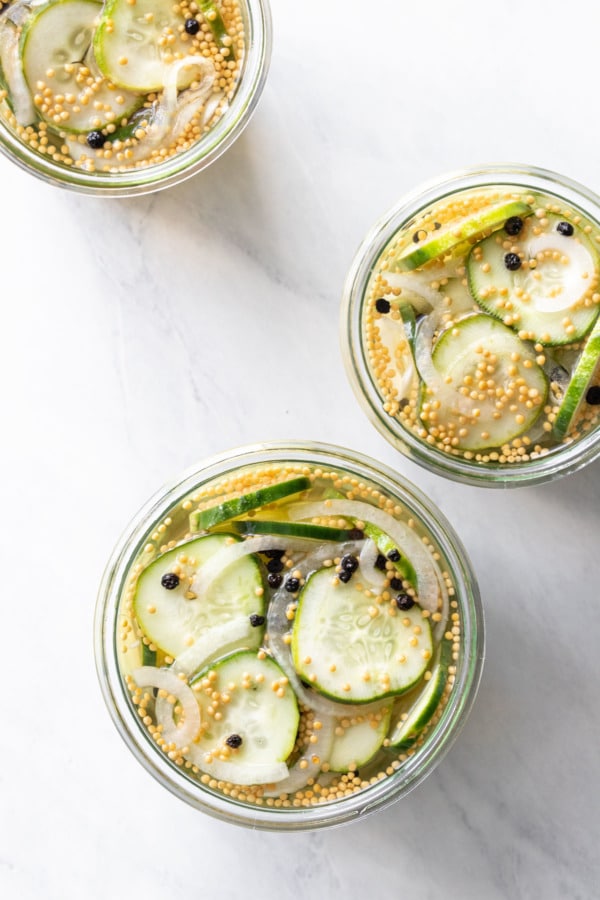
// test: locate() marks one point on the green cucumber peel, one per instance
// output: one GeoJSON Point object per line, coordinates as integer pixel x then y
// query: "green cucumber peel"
{"type": "Point", "coordinates": [583, 375]}
{"type": "Point", "coordinates": [202, 520]}
{"type": "Point", "coordinates": [292, 529]}
{"type": "Point", "coordinates": [215, 22]}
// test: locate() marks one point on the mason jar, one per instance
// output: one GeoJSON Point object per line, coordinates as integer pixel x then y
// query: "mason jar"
{"type": "Point", "coordinates": [173, 169]}
{"type": "Point", "coordinates": [161, 526]}
{"type": "Point", "coordinates": [536, 456]}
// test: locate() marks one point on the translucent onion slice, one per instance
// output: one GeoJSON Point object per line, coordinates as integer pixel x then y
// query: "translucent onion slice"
{"type": "Point", "coordinates": [368, 557]}
{"type": "Point", "coordinates": [184, 731]}
{"type": "Point", "coordinates": [20, 95]}
{"type": "Point", "coordinates": [431, 587]}
{"type": "Point", "coordinates": [423, 347]}
{"type": "Point", "coordinates": [217, 641]}
{"type": "Point", "coordinates": [310, 763]}
{"type": "Point", "coordinates": [238, 773]}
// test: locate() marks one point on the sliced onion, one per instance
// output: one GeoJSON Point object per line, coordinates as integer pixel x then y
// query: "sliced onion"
{"type": "Point", "coordinates": [20, 95]}
{"type": "Point", "coordinates": [215, 642]}
{"type": "Point", "coordinates": [391, 332]}
{"type": "Point", "coordinates": [235, 551]}
{"type": "Point", "coordinates": [172, 112]}
{"type": "Point", "coordinates": [430, 581]}
{"type": "Point", "coordinates": [238, 772]}
{"type": "Point", "coordinates": [419, 291]}
{"type": "Point", "coordinates": [423, 346]}
{"type": "Point", "coordinates": [19, 10]}
{"type": "Point", "coordinates": [368, 570]}
{"type": "Point", "coordinates": [320, 750]}
{"type": "Point", "coordinates": [186, 730]}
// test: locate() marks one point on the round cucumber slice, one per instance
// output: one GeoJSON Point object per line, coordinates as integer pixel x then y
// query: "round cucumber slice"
{"type": "Point", "coordinates": [55, 50]}
{"type": "Point", "coordinates": [263, 721]}
{"type": "Point", "coordinates": [175, 619]}
{"type": "Point", "coordinates": [585, 373]}
{"type": "Point", "coordinates": [420, 713]}
{"type": "Point", "coordinates": [361, 739]}
{"type": "Point", "coordinates": [129, 44]}
{"type": "Point", "coordinates": [445, 240]}
{"type": "Point", "coordinates": [489, 407]}
{"type": "Point", "coordinates": [202, 520]}
{"type": "Point", "coordinates": [352, 650]}
{"type": "Point", "coordinates": [549, 296]}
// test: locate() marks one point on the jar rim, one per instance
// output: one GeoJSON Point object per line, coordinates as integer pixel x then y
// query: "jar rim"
{"type": "Point", "coordinates": [564, 460]}
{"type": "Point", "coordinates": [182, 165]}
{"type": "Point", "coordinates": [419, 765]}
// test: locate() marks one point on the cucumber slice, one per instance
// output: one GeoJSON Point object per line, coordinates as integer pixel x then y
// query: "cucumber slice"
{"type": "Point", "coordinates": [148, 656]}
{"type": "Point", "coordinates": [265, 719]}
{"type": "Point", "coordinates": [292, 529]}
{"type": "Point", "coordinates": [486, 419]}
{"type": "Point", "coordinates": [372, 656]}
{"type": "Point", "coordinates": [407, 314]}
{"type": "Point", "coordinates": [360, 741]}
{"type": "Point", "coordinates": [55, 50]}
{"type": "Point", "coordinates": [385, 545]}
{"type": "Point", "coordinates": [12, 80]}
{"type": "Point", "coordinates": [585, 374]}
{"type": "Point", "coordinates": [552, 301]}
{"type": "Point", "coordinates": [445, 240]}
{"type": "Point", "coordinates": [217, 26]}
{"type": "Point", "coordinates": [128, 44]}
{"type": "Point", "coordinates": [421, 712]}
{"type": "Point", "coordinates": [202, 520]}
{"type": "Point", "coordinates": [174, 622]}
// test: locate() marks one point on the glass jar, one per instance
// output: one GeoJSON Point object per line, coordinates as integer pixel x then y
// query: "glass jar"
{"type": "Point", "coordinates": [465, 606]}
{"type": "Point", "coordinates": [566, 457]}
{"type": "Point", "coordinates": [258, 39]}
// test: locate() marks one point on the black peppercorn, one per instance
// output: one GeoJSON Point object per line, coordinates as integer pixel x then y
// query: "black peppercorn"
{"type": "Point", "coordinates": [380, 562]}
{"type": "Point", "coordinates": [404, 601]}
{"type": "Point", "coordinates": [513, 225]}
{"type": "Point", "coordinates": [192, 26]}
{"type": "Point", "coordinates": [170, 581]}
{"type": "Point", "coordinates": [512, 262]}
{"type": "Point", "coordinates": [565, 228]}
{"type": "Point", "coordinates": [96, 140]}
{"type": "Point", "coordinates": [593, 395]}
{"type": "Point", "coordinates": [349, 563]}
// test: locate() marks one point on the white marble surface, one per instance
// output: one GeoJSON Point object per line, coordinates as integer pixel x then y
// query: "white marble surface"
{"type": "Point", "coordinates": [141, 336]}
